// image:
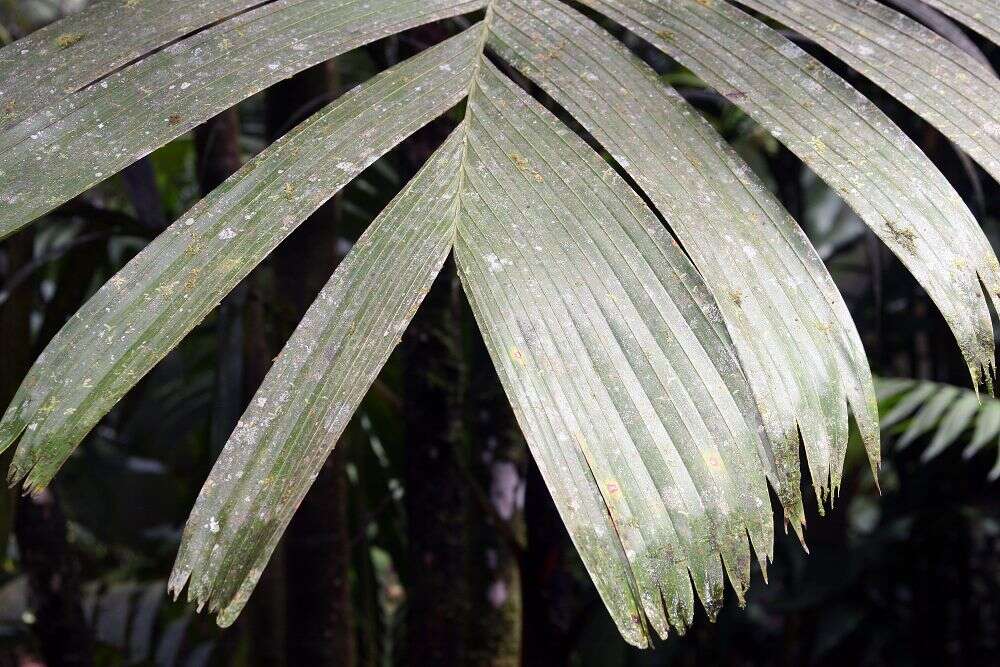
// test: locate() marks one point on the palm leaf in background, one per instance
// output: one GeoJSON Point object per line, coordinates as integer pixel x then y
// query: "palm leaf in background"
{"type": "Point", "coordinates": [658, 388]}
{"type": "Point", "coordinates": [919, 408]}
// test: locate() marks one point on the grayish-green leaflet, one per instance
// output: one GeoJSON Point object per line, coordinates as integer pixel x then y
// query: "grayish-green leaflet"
{"type": "Point", "coordinates": [148, 307]}
{"type": "Point", "coordinates": [847, 141]}
{"type": "Point", "coordinates": [939, 81]}
{"type": "Point", "coordinates": [85, 137]}
{"type": "Point", "coordinates": [609, 347]}
{"type": "Point", "coordinates": [308, 397]}
{"type": "Point", "coordinates": [795, 337]}
{"type": "Point", "coordinates": [65, 57]}
{"type": "Point", "coordinates": [980, 15]}
{"type": "Point", "coordinates": [915, 408]}
{"type": "Point", "coordinates": [658, 393]}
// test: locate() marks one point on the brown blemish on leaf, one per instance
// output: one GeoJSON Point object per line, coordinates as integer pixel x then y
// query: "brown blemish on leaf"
{"type": "Point", "coordinates": [8, 108]}
{"type": "Point", "coordinates": [665, 34]}
{"type": "Point", "coordinates": [68, 39]}
{"type": "Point", "coordinates": [192, 279]}
{"type": "Point", "coordinates": [552, 52]}
{"type": "Point", "coordinates": [736, 295]}
{"type": "Point", "coordinates": [903, 234]}
{"type": "Point", "coordinates": [523, 165]}
{"type": "Point", "coordinates": [174, 119]}
{"type": "Point", "coordinates": [517, 356]}
{"type": "Point", "coordinates": [289, 189]}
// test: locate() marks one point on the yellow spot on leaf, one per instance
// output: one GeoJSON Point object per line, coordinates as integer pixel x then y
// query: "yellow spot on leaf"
{"type": "Point", "coordinates": [68, 39]}
{"type": "Point", "coordinates": [818, 144]}
{"type": "Point", "coordinates": [713, 460]}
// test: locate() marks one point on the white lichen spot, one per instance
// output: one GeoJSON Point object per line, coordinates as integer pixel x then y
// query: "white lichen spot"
{"type": "Point", "coordinates": [213, 524]}
{"type": "Point", "coordinates": [496, 264]}
{"type": "Point", "coordinates": [227, 234]}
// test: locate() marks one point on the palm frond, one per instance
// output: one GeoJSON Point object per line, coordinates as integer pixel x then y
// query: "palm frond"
{"type": "Point", "coordinates": [737, 234]}
{"type": "Point", "coordinates": [84, 136]}
{"type": "Point", "coordinates": [939, 81]}
{"type": "Point", "coordinates": [658, 384]}
{"type": "Point", "coordinates": [151, 304]}
{"type": "Point", "coordinates": [847, 141]}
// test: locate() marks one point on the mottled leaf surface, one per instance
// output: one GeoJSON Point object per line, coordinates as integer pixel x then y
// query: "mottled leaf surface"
{"type": "Point", "coordinates": [611, 351]}
{"type": "Point", "coordinates": [168, 288]}
{"type": "Point", "coordinates": [318, 381]}
{"type": "Point", "coordinates": [795, 337]}
{"type": "Point", "coordinates": [64, 57]}
{"type": "Point", "coordinates": [69, 146]}
{"type": "Point", "coordinates": [847, 141]}
{"type": "Point", "coordinates": [611, 348]}
{"type": "Point", "coordinates": [946, 86]}
{"type": "Point", "coordinates": [983, 16]}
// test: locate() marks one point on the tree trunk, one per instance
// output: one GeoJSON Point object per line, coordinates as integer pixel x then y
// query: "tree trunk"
{"type": "Point", "coordinates": [438, 499]}
{"type": "Point", "coordinates": [321, 625]}
{"type": "Point", "coordinates": [497, 458]}
{"type": "Point", "coordinates": [547, 584]}
{"type": "Point", "coordinates": [39, 524]}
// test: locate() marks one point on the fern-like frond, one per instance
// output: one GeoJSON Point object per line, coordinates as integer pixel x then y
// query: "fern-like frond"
{"type": "Point", "coordinates": [948, 414]}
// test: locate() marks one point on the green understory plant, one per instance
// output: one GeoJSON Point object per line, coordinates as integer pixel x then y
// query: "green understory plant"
{"type": "Point", "coordinates": [662, 380]}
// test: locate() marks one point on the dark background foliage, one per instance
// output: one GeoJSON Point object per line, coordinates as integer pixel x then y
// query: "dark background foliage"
{"type": "Point", "coordinates": [429, 538]}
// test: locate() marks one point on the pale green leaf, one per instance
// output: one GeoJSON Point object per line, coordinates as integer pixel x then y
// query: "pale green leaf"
{"type": "Point", "coordinates": [317, 383]}
{"type": "Point", "coordinates": [847, 141]}
{"type": "Point", "coordinates": [886, 388]}
{"type": "Point", "coordinates": [952, 425]}
{"type": "Point", "coordinates": [79, 141]}
{"type": "Point", "coordinates": [794, 335]}
{"type": "Point", "coordinates": [945, 411]}
{"type": "Point", "coordinates": [910, 402]}
{"type": "Point", "coordinates": [610, 349]}
{"type": "Point", "coordinates": [929, 414]}
{"type": "Point", "coordinates": [148, 307]}
{"type": "Point", "coordinates": [987, 428]}
{"type": "Point", "coordinates": [946, 86]}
